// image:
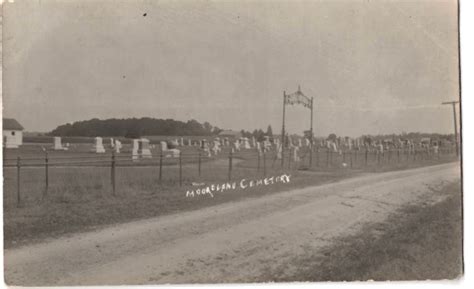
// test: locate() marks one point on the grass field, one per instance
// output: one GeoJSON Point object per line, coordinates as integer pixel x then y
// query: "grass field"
{"type": "Point", "coordinates": [80, 197]}
{"type": "Point", "coordinates": [418, 242]}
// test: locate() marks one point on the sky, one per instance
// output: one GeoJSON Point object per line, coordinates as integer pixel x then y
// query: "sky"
{"type": "Point", "coordinates": [372, 66]}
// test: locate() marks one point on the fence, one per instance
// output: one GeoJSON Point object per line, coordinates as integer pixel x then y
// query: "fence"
{"type": "Point", "coordinates": [33, 178]}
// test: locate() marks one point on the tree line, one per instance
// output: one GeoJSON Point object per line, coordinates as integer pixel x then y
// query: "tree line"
{"type": "Point", "coordinates": [138, 127]}
{"type": "Point", "coordinates": [135, 128]}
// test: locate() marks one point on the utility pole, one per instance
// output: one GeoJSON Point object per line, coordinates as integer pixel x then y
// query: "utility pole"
{"type": "Point", "coordinates": [311, 136]}
{"type": "Point", "coordinates": [453, 103]}
{"type": "Point", "coordinates": [283, 129]}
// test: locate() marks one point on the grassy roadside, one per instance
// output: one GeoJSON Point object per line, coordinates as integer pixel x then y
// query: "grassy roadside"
{"type": "Point", "coordinates": [80, 199]}
{"type": "Point", "coordinates": [85, 203]}
{"type": "Point", "coordinates": [418, 242]}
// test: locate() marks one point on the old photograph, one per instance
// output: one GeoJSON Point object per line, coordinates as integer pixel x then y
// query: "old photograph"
{"type": "Point", "coordinates": [231, 141]}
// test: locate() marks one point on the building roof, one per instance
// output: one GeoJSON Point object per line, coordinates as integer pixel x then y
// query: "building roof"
{"type": "Point", "coordinates": [11, 124]}
{"type": "Point", "coordinates": [230, 133]}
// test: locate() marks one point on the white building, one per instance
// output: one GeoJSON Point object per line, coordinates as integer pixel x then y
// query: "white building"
{"type": "Point", "coordinates": [12, 133]}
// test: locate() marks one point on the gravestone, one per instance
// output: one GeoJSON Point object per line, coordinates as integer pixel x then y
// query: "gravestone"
{"type": "Point", "coordinates": [112, 144]}
{"type": "Point", "coordinates": [168, 152]}
{"type": "Point", "coordinates": [279, 151]}
{"type": "Point", "coordinates": [217, 146]}
{"type": "Point", "coordinates": [135, 147]}
{"type": "Point", "coordinates": [296, 157]}
{"type": "Point", "coordinates": [259, 148]}
{"type": "Point", "coordinates": [206, 148]}
{"type": "Point", "coordinates": [277, 142]}
{"type": "Point", "coordinates": [237, 145]}
{"type": "Point", "coordinates": [57, 143]}
{"type": "Point", "coordinates": [246, 143]}
{"type": "Point", "coordinates": [99, 146]}
{"type": "Point", "coordinates": [267, 145]}
{"type": "Point", "coordinates": [117, 146]}
{"type": "Point", "coordinates": [144, 148]}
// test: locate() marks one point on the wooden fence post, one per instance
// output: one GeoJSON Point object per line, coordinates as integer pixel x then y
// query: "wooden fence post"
{"type": "Point", "coordinates": [258, 160]}
{"type": "Point", "coordinates": [18, 167]}
{"type": "Point", "coordinates": [46, 168]}
{"type": "Point", "coordinates": [366, 156]}
{"type": "Point", "coordinates": [264, 165]}
{"type": "Point", "coordinates": [199, 163]}
{"type": "Point", "coordinates": [112, 173]}
{"type": "Point", "coordinates": [351, 158]}
{"type": "Point", "coordinates": [180, 170]}
{"type": "Point", "coordinates": [327, 158]}
{"type": "Point", "coordinates": [317, 156]}
{"type": "Point", "coordinates": [230, 165]}
{"type": "Point", "coordinates": [160, 176]}
{"type": "Point", "coordinates": [289, 158]}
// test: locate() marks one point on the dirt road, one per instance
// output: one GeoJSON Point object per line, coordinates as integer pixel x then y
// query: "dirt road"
{"type": "Point", "coordinates": [233, 242]}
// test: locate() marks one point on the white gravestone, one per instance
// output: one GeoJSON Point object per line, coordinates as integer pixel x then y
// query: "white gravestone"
{"type": "Point", "coordinates": [296, 157]}
{"type": "Point", "coordinates": [217, 147]}
{"type": "Point", "coordinates": [117, 146]}
{"type": "Point", "coordinates": [99, 146]}
{"type": "Point", "coordinates": [57, 143]}
{"type": "Point", "coordinates": [237, 145]}
{"type": "Point", "coordinates": [135, 147]}
{"type": "Point", "coordinates": [205, 147]}
{"type": "Point", "coordinates": [145, 148]}
{"type": "Point", "coordinates": [175, 143]}
{"type": "Point", "coordinates": [380, 148]}
{"type": "Point", "coordinates": [259, 148]}
{"type": "Point", "coordinates": [267, 145]}
{"type": "Point", "coordinates": [112, 144]}
{"type": "Point", "coordinates": [279, 151]}
{"type": "Point", "coordinates": [246, 143]}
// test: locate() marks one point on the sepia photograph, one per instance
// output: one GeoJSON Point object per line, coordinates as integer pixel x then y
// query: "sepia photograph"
{"type": "Point", "coordinates": [231, 141]}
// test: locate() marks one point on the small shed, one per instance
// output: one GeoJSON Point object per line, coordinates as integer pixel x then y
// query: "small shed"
{"type": "Point", "coordinates": [12, 133]}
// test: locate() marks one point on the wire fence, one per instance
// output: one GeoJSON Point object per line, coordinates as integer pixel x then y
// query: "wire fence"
{"type": "Point", "coordinates": [34, 178]}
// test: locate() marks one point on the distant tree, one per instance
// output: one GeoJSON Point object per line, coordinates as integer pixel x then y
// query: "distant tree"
{"type": "Point", "coordinates": [332, 137]}
{"type": "Point", "coordinates": [216, 130]}
{"type": "Point", "coordinates": [207, 128]}
{"type": "Point", "coordinates": [260, 135]}
{"type": "Point", "coordinates": [269, 131]}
